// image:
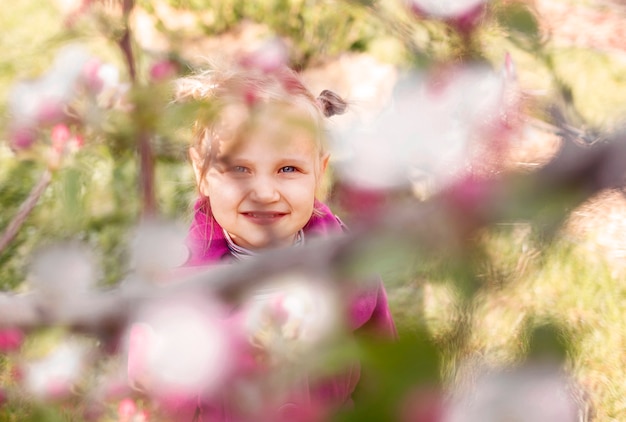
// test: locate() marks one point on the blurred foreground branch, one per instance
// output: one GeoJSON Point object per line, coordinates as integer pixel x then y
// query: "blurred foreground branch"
{"type": "Point", "coordinates": [450, 218]}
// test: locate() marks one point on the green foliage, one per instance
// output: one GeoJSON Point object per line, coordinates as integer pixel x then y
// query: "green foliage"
{"type": "Point", "coordinates": [316, 29]}
{"type": "Point", "coordinates": [517, 20]}
{"type": "Point", "coordinates": [391, 371]}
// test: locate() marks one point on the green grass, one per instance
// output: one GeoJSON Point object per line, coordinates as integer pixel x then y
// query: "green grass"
{"type": "Point", "coordinates": [559, 283]}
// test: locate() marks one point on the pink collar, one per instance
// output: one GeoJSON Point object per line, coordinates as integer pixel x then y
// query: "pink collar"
{"type": "Point", "coordinates": [207, 244]}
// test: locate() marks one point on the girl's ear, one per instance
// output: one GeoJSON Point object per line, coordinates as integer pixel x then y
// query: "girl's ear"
{"type": "Point", "coordinates": [322, 182]}
{"type": "Point", "coordinates": [197, 162]}
{"type": "Point", "coordinates": [324, 163]}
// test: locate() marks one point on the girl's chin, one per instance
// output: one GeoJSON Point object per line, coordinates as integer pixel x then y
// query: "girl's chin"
{"type": "Point", "coordinates": [260, 244]}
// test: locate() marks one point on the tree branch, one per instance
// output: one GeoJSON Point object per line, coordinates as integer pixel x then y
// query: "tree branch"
{"type": "Point", "coordinates": [25, 209]}
{"type": "Point", "coordinates": [447, 219]}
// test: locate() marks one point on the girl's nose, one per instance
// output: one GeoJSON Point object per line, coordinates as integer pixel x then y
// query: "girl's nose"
{"type": "Point", "coordinates": [264, 189]}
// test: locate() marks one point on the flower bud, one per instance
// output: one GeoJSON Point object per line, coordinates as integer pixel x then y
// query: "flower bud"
{"type": "Point", "coordinates": [163, 70]}
{"type": "Point", "coordinates": [22, 138]}
{"type": "Point", "coordinates": [11, 339]}
{"type": "Point", "coordinates": [60, 136]}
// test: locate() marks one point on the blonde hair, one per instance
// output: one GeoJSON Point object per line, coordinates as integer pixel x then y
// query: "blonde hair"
{"type": "Point", "coordinates": [251, 91]}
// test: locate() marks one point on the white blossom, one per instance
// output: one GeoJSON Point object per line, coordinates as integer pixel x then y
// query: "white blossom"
{"type": "Point", "coordinates": [157, 248]}
{"type": "Point", "coordinates": [528, 394]}
{"type": "Point", "coordinates": [43, 99]}
{"type": "Point", "coordinates": [55, 374]}
{"type": "Point", "coordinates": [290, 315]}
{"type": "Point", "coordinates": [177, 346]}
{"type": "Point", "coordinates": [431, 124]}
{"type": "Point", "coordinates": [63, 272]}
{"type": "Point", "coordinates": [446, 8]}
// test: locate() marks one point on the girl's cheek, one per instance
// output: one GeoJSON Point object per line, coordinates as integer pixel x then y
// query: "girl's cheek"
{"type": "Point", "coordinates": [228, 187]}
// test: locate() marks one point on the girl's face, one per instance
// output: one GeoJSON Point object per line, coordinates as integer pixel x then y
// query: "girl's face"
{"type": "Point", "coordinates": [261, 186]}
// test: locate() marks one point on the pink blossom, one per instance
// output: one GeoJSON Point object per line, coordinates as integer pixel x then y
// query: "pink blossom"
{"type": "Point", "coordinates": [363, 202]}
{"type": "Point", "coordinates": [93, 412]}
{"type": "Point", "coordinates": [464, 15]}
{"type": "Point", "coordinates": [59, 137]}
{"type": "Point", "coordinates": [79, 140]}
{"type": "Point", "coordinates": [128, 411]}
{"type": "Point", "coordinates": [90, 76]}
{"type": "Point", "coordinates": [103, 81]}
{"type": "Point", "coordinates": [270, 56]}
{"type": "Point", "coordinates": [163, 70]}
{"type": "Point", "coordinates": [508, 69]}
{"type": "Point", "coordinates": [468, 21]}
{"type": "Point", "coordinates": [63, 139]}
{"type": "Point", "coordinates": [11, 339]}
{"type": "Point", "coordinates": [22, 138]}
{"type": "Point", "coordinates": [42, 100]}
{"type": "Point", "coordinates": [290, 315]}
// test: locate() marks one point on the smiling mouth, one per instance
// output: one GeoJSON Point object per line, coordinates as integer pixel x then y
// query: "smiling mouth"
{"type": "Point", "coordinates": [264, 216]}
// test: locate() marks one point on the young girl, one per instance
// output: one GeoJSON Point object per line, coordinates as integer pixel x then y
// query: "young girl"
{"type": "Point", "coordinates": [259, 161]}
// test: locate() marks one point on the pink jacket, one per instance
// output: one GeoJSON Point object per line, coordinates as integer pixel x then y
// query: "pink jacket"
{"type": "Point", "coordinates": [368, 310]}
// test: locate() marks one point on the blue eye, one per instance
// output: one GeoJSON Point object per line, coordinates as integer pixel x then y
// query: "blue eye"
{"type": "Point", "coordinates": [288, 169]}
{"type": "Point", "coordinates": [239, 169]}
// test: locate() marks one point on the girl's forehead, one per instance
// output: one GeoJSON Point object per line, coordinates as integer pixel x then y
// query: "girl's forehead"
{"type": "Point", "coordinates": [268, 142]}
{"type": "Point", "coordinates": [274, 124]}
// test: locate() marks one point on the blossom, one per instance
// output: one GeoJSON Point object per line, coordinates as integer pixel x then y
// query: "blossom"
{"type": "Point", "coordinates": [291, 315]}
{"type": "Point", "coordinates": [64, 139]}
{"type": "Point", "coordinates": [127, 411]}
{"type": "Point", "coordinates": [63, 272]}
{"type": "Point", "coordinates": [436, 123]}
{"type": "Point", "coordinates": [11, 339]}
{"type": "Point", "coordinates": [22, 138]}
{"type": "Point", "coordinates": [462, 14]}
{"type": "Point", "coordinates": [54, 375]}
{"type": "Point", "coordinates": [98, 76]}
{"type": "Point", "coordinates": [163, 70]}
{"type": "Point", "coordinates": [532, 393]}
{"type": "Point", "coordinates": [269, 56]}
{"type": "Point", "coordinates": [157, 248]}
{"type": "Point", "coordinates": [43, 100]}
{"type": "Point", "coordinates": [177, 347]}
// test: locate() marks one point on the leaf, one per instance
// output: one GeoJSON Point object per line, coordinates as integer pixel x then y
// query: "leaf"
{"type": "Point", "coordinates": [517, 19]}
{"type": "Point", "coordinates": [390, 371]}
{"type": "Point", "coordinates": [72, 197]}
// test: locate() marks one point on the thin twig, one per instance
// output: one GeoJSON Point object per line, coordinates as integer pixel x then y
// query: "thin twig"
{"type": "Point", "coordinates": [25, 209]}
{"type": "Point", "coordinates": [144, 146]}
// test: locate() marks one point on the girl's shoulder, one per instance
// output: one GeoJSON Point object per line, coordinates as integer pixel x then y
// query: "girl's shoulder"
{"type": "Point", "coordinates": [323, 221]}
